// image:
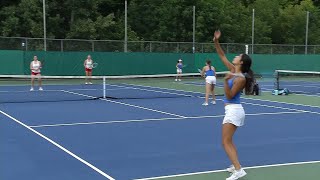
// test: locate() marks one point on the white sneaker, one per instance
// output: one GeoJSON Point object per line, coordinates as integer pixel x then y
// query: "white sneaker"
{"type": "Point", "coordinates": [90, 82]}
{"type": "Point", "coordinates": [213, 102]}
{"type": "Point", "coordinates": [31, 89]}
{"type": "Point", "coordinates": [40, 89]}
{"type": "Point", "coordinates": [179, 79]}
{"type": "Point", "coordinates": [237, 174]}
{"type": "Point", "coordinates": [231, 169]}
{"type": "Point", "coordinates": [86, 83]}
{"type": "Point", "coordinates": [176, 80]}
{"type": "Point", "coordinates": [205, 104]}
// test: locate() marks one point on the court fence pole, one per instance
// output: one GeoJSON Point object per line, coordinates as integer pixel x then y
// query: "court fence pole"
{"type": "Point", "coordinates": [44, 25]}
{"type": "Point", "coordinates": [104, 87]}
{"type": "Point", "coordinates": [307, 29]}
{"type": "Point", "coordinates": [252, 31]}
{"type": "Point", "coordinates": [126, 26]}
{"type": "Point", "coordinates": [194, 29]}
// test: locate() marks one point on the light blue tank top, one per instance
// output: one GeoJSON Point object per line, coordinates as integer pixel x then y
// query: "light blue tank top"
{"type": "Point", "coordinates": [210, 72]}
{"type": "Point", "coordinates": [179, 65]}
{"type": "Point", "coordinates": [236, 98]}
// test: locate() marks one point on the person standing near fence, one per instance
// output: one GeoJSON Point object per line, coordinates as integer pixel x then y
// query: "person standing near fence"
{"type": "Point", "coordinates": [35, 67]}
{"type": "Point", "coordinates": [88, 65]}
{"type": "Point", "coordinates": [179, 67]}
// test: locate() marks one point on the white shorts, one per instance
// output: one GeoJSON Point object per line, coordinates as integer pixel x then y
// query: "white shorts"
{"type": "Point", "coordinates": [179, 70]}
{"type": "Point", "coordinates": [211, 80]}
{"type": "Point", "coordinates": [234, 115]}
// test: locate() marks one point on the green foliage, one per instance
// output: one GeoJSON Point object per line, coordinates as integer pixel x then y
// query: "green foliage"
{"type": "Point", "coordinates": [276, 21]}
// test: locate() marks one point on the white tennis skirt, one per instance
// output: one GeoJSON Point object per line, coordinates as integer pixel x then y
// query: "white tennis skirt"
{"type": "Point", "coordinates": [211, 79]}
{"type": "Point", "coordinates": [179, 70]}
{"type": "Point", "coordinates": [234, 115]}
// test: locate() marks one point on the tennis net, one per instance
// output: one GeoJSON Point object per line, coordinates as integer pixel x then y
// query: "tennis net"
{"type": "Point", "coordinates": [298, 82]}
{"type": "Point", "coordinates": [16, 88]}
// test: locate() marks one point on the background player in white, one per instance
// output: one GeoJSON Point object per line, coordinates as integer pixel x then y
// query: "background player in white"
{"type": "Point", "coordinates": [179, 67]}
{"type": "Point", "coordinates": [88, 65]}
{"type": "Point", "coordinates": [35, 67]}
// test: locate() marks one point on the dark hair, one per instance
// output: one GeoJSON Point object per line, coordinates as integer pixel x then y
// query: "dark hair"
{"type": "Point", "coordinates": [209, 63]}
{"type": "Point", "coordinates": [246, 70]}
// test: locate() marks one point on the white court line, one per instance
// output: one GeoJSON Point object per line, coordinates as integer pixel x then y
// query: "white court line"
{"type": "Point", "coordinates": [153, 119]}
{"type": "Point", "coordinates": [282, 102]}
{"type": "Point", "coordinates": [28, 91]}
{"type": "Point", "coordinates": [277, 107]}
{"type": "Point", "coordinates": [217, 171]}
{"type": "Point", "coordinates": [59, 90]}
{"type": "Point", "coordinates": [150, 90]}
{"type": "Point", "coordinates": [140, 107]}
{"type": "Point", "coordinates": [113, 89]}
{"type": "Point", "coordinates": [265, 90]}
{"type": "Point", "coordinates": [241, 97]}
{"type": "Point", "coordinates": [294, 92]}
{"type": "Point", "coordinates": [59, 146]}
{"type": "Point", "coordinates": [313, 86]}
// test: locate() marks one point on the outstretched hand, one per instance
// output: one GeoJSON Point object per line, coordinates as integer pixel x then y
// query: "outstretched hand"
{"type": "Point", "coordinates": [217, 35]}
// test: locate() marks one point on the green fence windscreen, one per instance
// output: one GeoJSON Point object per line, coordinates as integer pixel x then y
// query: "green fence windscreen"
{"type": "Point", "coordinates": [11, 62]}
{"type": "Point", "coordinates": [266, 64]}
{"type": "Point", "coordinates": [200, 60]}
{"type": "Point", "coordinates": [71, 63]}
{"type": "Point", "coordinates": [110, 63]}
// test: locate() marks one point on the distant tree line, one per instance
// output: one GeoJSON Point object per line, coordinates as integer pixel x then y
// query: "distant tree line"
{"type": "Point", "coordinates": [276, 21]}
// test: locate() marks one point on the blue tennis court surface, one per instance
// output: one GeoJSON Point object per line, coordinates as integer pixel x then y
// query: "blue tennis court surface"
{"type": "Point", "coordinates": [142, 138]}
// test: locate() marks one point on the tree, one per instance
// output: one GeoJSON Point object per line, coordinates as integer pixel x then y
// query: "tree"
{"type": "Point", "coordinates": [276, 21]}
{"type": "Point", "coordinates": [289, 27]}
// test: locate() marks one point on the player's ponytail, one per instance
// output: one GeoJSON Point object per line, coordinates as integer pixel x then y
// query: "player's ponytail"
{"type": "Point", "coordinates": [246, 70]}
{"type": "Point", "coordinates": [209, 64]}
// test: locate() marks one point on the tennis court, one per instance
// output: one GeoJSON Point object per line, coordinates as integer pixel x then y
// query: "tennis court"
{"type": "Point", "coordinates": [152, 129]}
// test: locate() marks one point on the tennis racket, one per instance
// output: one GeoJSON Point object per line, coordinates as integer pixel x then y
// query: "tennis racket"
{"type": "Point", "coordinates": [42, 63]}
{"type": "Point", "coordinates": [200, 71]}
{"type": "Point", "coordinates": [94, 65]}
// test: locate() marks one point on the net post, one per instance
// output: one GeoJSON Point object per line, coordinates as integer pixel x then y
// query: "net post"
{"type": "Point", "coordinates": [276, 80]}
{"type": "Point", "coordinates": [104, 87]}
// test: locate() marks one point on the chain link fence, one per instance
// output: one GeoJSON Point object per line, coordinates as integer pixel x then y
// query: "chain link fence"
{"type": "Point", "coordinates": [37, 44]}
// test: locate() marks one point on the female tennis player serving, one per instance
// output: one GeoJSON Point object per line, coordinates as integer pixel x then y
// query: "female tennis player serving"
{"type": "Point", "coordinates": [234, 83]}
{"type": "Point", "coordinates": [35, 67]}
{"type": "Point", "coordinates": [209, 73]}
{"type": "Point", "coordinates": [88, 65]}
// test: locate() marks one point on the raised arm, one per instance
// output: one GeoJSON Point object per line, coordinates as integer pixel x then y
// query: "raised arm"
{"type": "Point", "coordinates": [220, 52]}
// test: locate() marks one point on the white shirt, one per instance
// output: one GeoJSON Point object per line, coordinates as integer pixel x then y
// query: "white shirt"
{"type": "Point", "coordinates": [35, 65]}
{"type": "Point", "coordinates": [88, 64]}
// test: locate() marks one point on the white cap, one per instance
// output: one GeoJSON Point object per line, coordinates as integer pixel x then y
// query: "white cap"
{"type": "Point", "coordinates": [180, 59]}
